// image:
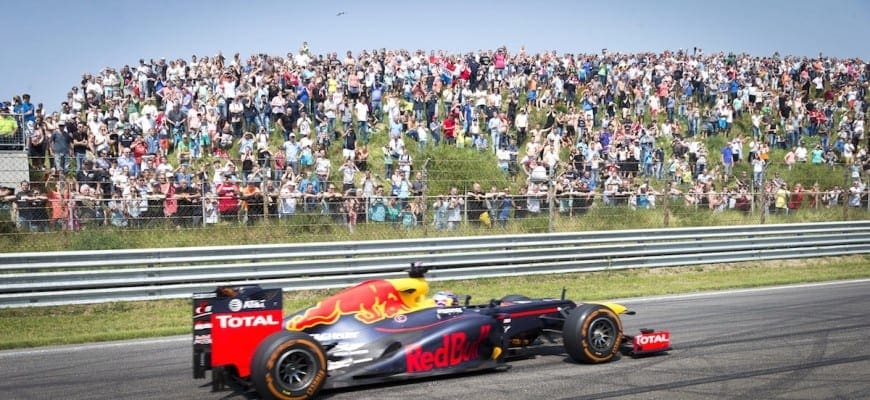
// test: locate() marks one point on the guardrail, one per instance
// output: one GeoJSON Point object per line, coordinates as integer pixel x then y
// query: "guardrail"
{"type": "Point", "coordinates": [38, 279]}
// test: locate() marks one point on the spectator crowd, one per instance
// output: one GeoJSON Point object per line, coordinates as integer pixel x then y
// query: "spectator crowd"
{"type": "Point", "coordinates": [199, 140]}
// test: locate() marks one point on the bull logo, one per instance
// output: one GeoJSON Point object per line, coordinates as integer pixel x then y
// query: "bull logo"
{"type": "Point", "coordinates": [369, 302]}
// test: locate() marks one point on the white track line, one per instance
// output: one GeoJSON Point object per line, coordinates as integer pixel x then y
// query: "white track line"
{"type": "Point", "coordinates": [737, 291]}
{"type": "Point", "coordinates": [93, 346]}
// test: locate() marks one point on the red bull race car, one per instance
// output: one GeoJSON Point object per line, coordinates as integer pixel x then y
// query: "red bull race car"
{"type": "Point", "coordinates": [385, 330]}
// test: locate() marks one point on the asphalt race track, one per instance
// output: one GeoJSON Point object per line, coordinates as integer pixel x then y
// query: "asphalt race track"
{"type": "Point", "coordinates": [799, 342]}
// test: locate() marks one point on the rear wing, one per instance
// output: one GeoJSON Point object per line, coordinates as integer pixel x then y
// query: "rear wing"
{"type": "Point", "coordinates": [228, 325]}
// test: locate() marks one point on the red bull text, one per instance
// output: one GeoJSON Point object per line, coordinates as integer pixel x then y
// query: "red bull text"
{"type": "Point", "coordinates": [455, 349]}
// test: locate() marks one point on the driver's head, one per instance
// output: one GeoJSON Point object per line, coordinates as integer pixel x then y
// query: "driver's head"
{"type": "Point", "coordinates": [445, 299]}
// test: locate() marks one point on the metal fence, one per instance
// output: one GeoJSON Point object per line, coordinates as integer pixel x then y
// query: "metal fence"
{"type": "Point", "coordinates": [62, 209]}
{"type": "Point", "coordinates": [51, 278]}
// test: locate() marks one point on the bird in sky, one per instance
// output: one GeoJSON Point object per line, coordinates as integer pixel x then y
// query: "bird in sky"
{"type": "Point", "coordinates": [340, 13]}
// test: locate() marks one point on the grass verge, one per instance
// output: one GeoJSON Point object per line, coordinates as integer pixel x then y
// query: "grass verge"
{"type": "Point", "coordinates": [42, 326]}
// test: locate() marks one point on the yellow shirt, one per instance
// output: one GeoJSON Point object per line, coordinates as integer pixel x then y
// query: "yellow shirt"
{"type": "Point", "coordinates": [781, 198]}
{"type": "Point", "coordinates": [8, 125]}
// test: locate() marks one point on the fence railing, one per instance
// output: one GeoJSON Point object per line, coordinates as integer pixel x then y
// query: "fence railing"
{"type": "Point", "coordinates": [52, 278]}
{"type": "Point", "coordinates": [55, 211]}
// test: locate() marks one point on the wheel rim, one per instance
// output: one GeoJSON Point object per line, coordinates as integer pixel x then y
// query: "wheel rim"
{"type": "Point", "coordinates": [295, 369]}
{"type": "Point", "coordinates": [602, 333]}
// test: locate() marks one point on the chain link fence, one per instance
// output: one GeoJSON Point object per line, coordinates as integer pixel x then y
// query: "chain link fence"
{"type": "Point", "coordinates": [283, 213]}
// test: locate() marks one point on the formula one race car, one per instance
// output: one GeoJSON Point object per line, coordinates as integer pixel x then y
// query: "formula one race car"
{"type": "Point", "coordinates": [388, 329]}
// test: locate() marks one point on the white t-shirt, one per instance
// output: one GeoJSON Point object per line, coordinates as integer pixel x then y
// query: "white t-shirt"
{"type": "Point", "coordinates": [533, 203]}
{"type": "Point", "coordinates": [287, 201]}
{"type": "Point", "coordinates": [348, 174]}
{"type": "Point", "coordinates": [522, 120]}
{"type": "Point", "coordinates": [801, 154]}
{"type": "Point", "coordinates": [362, 111]}
{"type": "Point", "coordinates": [322, 165]}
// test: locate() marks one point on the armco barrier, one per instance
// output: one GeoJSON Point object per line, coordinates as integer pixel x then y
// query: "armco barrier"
{"type": "Point", "coordinates": [37, 279]}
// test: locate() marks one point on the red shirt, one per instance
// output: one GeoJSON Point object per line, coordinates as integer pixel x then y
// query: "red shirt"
{"type": "Point", "coordinates": [449, 127]}
{"type": "Point", "coordinates": [139, 150]}
{"type": "Point", "coordinates": [796, 199]}
{"type": "Point", "coordinates": [227, 198]}
{"type": "Point", "coordinates": [465, 74]}
{"type": "Point", "coordinates": [450, 66]}
{"type": "Point", "coordinates": [170, 205]}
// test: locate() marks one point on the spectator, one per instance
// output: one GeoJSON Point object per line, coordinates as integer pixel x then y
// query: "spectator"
{"type": "Point", "coordinates": [361, 158]}
{"type": "Point", "coordinates": [455, 208]}
{"type": "Point", "coordinates": [362, 116]}
{"type": "Point", "coordinates": [758, 166]}
{"type": "Point", "coordinates": [470, 91]}
{"type": "Point", "coordinates": [440, 213]}
{"type": "Point", "coordinates": [227, 192]}
{"type": "Point", "coordinates": [348, 172]}
{"type": "Point", "coordinates": [833, 197]}
{"type": "Point", "coordinates": [855, 192]}
{"type": "Point", "coordinates": [727, 159]}
{"type": "Point", "coordinates": [817, 155]}
{"type": "Point", "coordinates": [534, 197]}
{"type": "Point", "coordinates": [796, 199]}
{"type": "Point", "coordinates": [288, 199]}
{"type": "Point", "coordinates": [30, 205]}
{"type": "Point", "coordinates": [476, 206]}
{"type": "Point", "coordinates": [790, 158]}
{"type": "Point", "coordinates": [8, 124]}
{"type": "Point", "coordinates": [188, 197]}
{"type": "Point", "coordinates": [782, 197]}
{"type": "Point", "coordinates": [800, 153]}
{"type": "Point", "coordinates": [252, 200]}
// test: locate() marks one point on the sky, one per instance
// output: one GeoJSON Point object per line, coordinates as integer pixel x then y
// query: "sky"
{"type": "Point", "coordinates": [51, 43]}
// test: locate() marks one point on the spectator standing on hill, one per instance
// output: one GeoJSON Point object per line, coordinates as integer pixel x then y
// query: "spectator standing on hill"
{"type": "Point", "coordinates": [79, 143]}
{"type": "Point", "coordinates": [348, 150]}
{"type": "Point", "coordinates": [758, 166]}
{"type": "Point", "coordinates": [60, 148]}
{"type": "Point", "coordinates": [348, 172]}
{"type": "Point", "coordinates": [790, 158]}
{"type": "Point", "coordinates": [727, 159]}
{"type": "Point", "coordinates": [36, 144]}
{"type": "Point", "coordinates": [817, 156]}
{"type": "Point", "coordinates": [362, 115]}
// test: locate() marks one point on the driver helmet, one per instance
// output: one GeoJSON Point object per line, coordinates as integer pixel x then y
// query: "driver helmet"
{"type": "Point", "coordinates": [446, 299]}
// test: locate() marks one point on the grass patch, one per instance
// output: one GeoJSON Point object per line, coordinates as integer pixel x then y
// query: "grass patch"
{"type": "Point", "coordinates": [306, 228]}
{"type": "Point", "coordinates": [41, 326]}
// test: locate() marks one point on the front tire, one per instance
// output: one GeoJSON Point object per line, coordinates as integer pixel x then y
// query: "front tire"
{"type": "Point", "coordinates": [592, 334]}
{"type": "Point", "coordinates": [288, 366]}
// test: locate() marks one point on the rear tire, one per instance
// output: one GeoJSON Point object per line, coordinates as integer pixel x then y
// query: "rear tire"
{"type": "Point", "coordinates": [592, 334]}
{"type": "Point", "coordinates": [288, 365]}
